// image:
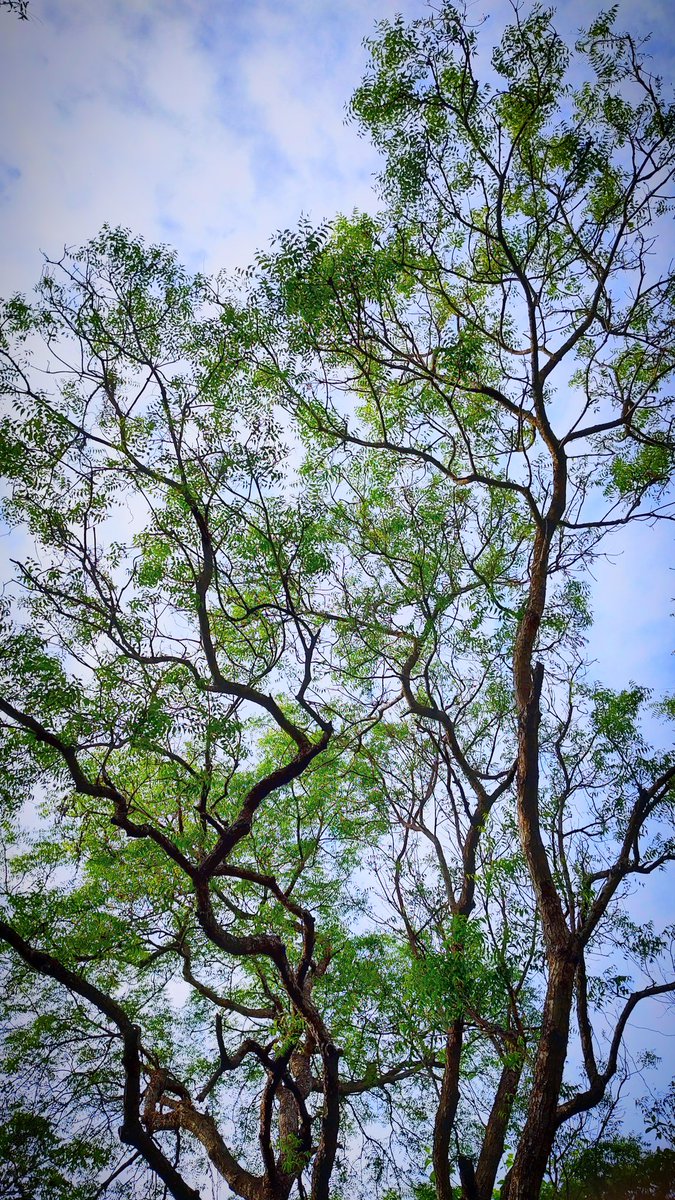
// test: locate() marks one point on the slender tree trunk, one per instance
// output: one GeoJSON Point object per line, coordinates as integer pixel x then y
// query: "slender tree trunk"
{"type": "Point", "coordinates": [536, 1141]}
{"type": "Point", "coordinates": [446, 1111]}
{"type": "Point", "coordinates": [526, 1176]}
{"type": "Point", "coordinates": [495, 1133]}
{"type": "Point", "coordinates": [330, 1124]}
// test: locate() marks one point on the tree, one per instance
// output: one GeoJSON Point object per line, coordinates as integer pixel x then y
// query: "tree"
{"type": "Point", "coordinates": [337, 832]}
{"type": "Point", "coordinates": [20, 7]}
{"type": "Point", "coordinates": [620, 1167]}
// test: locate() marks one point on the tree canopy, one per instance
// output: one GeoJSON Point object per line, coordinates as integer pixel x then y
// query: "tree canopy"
{"type": "Point", "coordinates": [320, 835]}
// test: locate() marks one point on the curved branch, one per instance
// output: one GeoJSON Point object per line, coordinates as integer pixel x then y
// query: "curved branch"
{"type": "Point", "coordinates": [131, 1131]}
{"type": "Point", "coordinates": [594, 1094]}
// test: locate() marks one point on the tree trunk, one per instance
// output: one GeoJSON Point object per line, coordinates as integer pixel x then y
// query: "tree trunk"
{"type": "Point", "coordinates": [536, 1141]}
{"type": "Point", "coordinates": [495, 1133]}
{"type": "Point", "coordinates": [446, 1111]}
{"type": "Point", "coordinates": [330, 1124]}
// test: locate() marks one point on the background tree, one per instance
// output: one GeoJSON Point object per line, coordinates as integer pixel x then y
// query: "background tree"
{"type": "Point", "coordinates": [621, 1167]}
{"type": "Point", "coordinates": [336, 831]}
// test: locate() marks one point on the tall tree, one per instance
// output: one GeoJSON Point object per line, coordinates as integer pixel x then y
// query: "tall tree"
{"type": "Point", "coordinates": [336, 833]}
{"type": "Point", "coordinates": [510, 342]}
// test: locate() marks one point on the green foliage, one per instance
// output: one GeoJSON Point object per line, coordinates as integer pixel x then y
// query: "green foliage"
{"type": "Point", "coordinates": [623, 1168]}
{"type": "Point", "coordinates": [650, 466]}
{"type": "Point", "coordinates": [460, 977]}
{"type": "Point", "coordinates": [35, 1160]}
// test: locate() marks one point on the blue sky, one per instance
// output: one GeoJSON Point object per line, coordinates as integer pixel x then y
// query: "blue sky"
{"type": "Point", "coordinates": [210, 124]}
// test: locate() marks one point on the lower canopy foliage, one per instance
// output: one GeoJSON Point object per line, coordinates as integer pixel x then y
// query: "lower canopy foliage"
{"type": "Point", "coordinates": [321, 840]}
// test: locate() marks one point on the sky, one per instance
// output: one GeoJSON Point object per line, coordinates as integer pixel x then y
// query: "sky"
{"type": "Point", "coordinates": [210, 124]}
{"type": "Point", "coordinates": [205, 123]}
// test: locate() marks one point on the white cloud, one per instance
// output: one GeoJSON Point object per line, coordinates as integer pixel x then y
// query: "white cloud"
{"type": "Point", "coordinates": [214, 130]}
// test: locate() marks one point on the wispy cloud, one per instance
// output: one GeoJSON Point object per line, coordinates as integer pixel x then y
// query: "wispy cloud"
{"type": "Point", "coordinates": [219, 122]}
